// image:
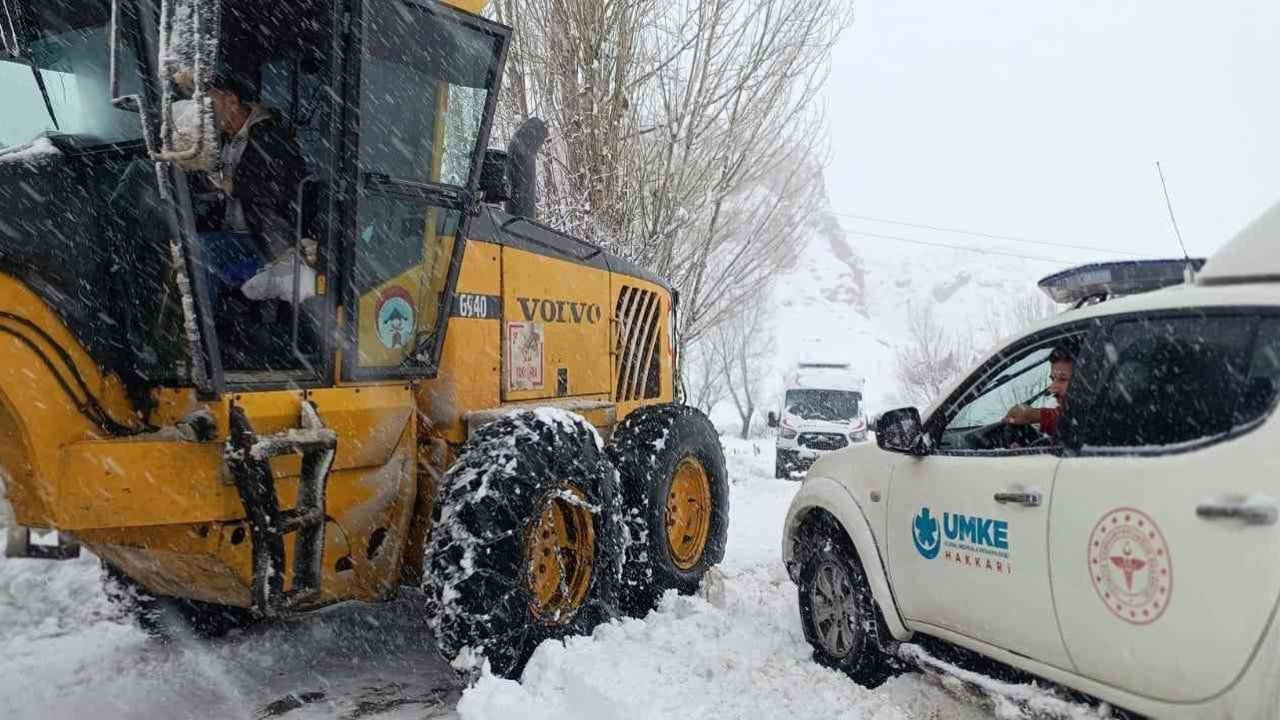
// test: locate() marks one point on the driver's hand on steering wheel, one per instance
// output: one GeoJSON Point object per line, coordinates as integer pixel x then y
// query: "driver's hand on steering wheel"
{"type": "Point", "coordinates": [1022, 415]}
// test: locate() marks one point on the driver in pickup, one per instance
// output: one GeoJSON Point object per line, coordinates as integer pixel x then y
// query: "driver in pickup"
{"type": "Point", "coordinates": [1061, 369]}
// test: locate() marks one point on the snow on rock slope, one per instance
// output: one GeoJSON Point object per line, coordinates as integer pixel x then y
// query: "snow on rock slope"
{"type": "Point", "coordinates": [848, 299]}
{"type": "Point", "coordinates": [738, 653]}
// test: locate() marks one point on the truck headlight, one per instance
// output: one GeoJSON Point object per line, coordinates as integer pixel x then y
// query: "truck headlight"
{"type": "Point", "coordinates": [787, 433]}
{"type": "Point", "coordinates": [858, 435]}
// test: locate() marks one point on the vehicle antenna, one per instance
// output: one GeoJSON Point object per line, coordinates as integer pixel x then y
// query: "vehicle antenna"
{"type": "Point", "coordinates": [1174, 220]}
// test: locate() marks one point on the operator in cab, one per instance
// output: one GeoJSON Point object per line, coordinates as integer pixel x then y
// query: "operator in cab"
{"type": "Point", "coordinates": [1061, 370]}
{"type": "Point", "coordinates": [247, 225]}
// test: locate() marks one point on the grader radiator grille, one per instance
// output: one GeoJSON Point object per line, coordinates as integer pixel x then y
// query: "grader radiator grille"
{"type": "Point", "coordinates": [639, 322]}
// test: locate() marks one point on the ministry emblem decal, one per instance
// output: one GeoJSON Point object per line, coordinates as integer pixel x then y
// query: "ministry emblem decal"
{"type": "Point", "coordinates": [1130, 566]}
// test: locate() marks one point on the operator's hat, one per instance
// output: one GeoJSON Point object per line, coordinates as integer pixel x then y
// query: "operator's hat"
{"type": "Point", "coordinates": [226, 76]}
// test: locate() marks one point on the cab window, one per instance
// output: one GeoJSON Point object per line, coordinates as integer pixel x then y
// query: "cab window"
{"type": "Point", "coordinates": [69, 51]}
{"type": "Point", "coordinates": [425, 83]}
{"type": "Point", "coordinates": [976, 420]}
{"type": "Point", "coordinates": [1166, 381]}
{"type": "Point", "coordinates": [401, 265]}
{"type": "Point", "coordinates": [1022, 383]}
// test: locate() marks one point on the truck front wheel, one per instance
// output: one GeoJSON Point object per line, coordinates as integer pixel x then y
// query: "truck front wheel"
{"type": "Point", "coordinates": [837, 611]}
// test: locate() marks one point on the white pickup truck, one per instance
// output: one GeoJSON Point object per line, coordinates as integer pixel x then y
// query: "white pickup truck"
{"type": "Point", "coordinates": [1125, 546]}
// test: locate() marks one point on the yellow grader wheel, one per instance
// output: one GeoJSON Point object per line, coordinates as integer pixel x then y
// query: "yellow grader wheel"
{"type": "Point", "coordinates": [560, 551]}
{"type": "Point", "coordinates": [688, 512]}
{"type": "Point", "coordinates": [529, 545]}
{"type": "Point", "coordinates": [676, 498]}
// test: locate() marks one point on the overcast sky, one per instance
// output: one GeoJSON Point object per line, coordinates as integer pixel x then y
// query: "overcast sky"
{"type": "Point", "coordinates": [1044, 120]}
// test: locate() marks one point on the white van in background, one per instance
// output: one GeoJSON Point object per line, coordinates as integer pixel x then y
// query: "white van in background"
{"type": "Point", "coordinates": [821, 411]}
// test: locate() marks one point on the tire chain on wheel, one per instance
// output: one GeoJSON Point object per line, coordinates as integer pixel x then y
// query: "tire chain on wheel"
{"type": "Point", "coordinates": [647, 447]}
{"type": "Point", "coordinates": [476, 573]}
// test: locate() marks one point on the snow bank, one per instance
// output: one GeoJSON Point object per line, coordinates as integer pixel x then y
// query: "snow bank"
{"type": "Point", "coordinates": [690, 658]}
{"type": "Point", "coordinates": [742, 656]}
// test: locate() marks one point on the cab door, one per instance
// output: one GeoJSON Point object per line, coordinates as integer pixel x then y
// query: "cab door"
{"type": "Point", "coordinates": [1163, 536]}
{"type": "Point", "coordinates": [969, 524]}
{"type": "Point", "coordinates": [426, 93]}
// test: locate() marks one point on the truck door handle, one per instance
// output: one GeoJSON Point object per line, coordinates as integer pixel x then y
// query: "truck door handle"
{"type": "Point", "coordinates": [1253, 511]}
{"type": "Point", "coordinates": [1027, 499]}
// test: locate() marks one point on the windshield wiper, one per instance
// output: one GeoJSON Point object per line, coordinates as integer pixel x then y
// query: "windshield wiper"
{"type": "Point", "coordinates": [44, 92]}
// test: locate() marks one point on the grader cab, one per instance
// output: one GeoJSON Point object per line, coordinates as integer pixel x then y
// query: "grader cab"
{"type": "Point", "coordinates": [446, 394]}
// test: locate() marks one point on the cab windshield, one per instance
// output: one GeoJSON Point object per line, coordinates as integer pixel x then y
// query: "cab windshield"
{"type": "Point", "coordinates": [426, 83]}
{"type": "Point", "coordinates": [834, 405]}
{"type": "Point", "coordinates": [68, 45]}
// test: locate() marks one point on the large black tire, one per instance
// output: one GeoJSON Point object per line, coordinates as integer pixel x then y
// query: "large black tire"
{"type": "Point", "coordinates": [648, 448]}
{"type": "Point", "coordinates": [837, 610]}
{"type": "Point", "coordinates": [482, 573]}
{"type": "Point", "coordinates": [168, 618]}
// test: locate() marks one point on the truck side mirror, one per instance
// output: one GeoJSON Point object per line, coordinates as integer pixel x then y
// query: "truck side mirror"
{"type": "Point", "coordinates": [773, 419]}
{"type": "Point", "coordinates": [494, 183]}
{"type": "Point", "coordinates": [900, 431]}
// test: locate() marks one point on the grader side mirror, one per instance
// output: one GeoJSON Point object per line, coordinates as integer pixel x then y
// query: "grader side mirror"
{"type": "Point", "coordinates": [773, 419]}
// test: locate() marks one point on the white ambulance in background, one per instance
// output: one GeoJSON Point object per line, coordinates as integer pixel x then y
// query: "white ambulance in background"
{"type": "Point", "coordinates": [821, 411]}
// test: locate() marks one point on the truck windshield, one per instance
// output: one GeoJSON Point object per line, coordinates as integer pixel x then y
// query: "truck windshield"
{"type": "Point", "coordinates": [812, 404]}
{"type": "Point", "coordinates": [69, 48]}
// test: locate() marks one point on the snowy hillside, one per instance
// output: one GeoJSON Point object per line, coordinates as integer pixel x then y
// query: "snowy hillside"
{"type": "Point", "coordinates": [849, 297]}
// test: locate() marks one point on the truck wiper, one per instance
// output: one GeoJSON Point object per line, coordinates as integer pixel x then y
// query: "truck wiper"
{"type": "Point", "coordinates": [44, 92]}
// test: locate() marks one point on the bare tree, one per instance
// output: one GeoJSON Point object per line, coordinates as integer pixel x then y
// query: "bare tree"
{"type": "Point", "coordinates": [931, 358]}
{"type": "Point", "coordinates": [578, 65]}
{"type": "Point", "coordinates": [702, 377]}
{"type": "Point", "coordinates": [743, 348]}
{"type": "Point", "coordinates": [686, 136]}
{"type": "Point", "coordinates": [736, 131]}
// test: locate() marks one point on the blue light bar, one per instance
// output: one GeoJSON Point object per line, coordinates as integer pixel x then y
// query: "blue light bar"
{"type": "Point", "coordinates": [1111, 279]}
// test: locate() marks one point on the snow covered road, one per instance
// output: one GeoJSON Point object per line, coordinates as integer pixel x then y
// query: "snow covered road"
{"type": "Point", "coordinates": [736, 652]}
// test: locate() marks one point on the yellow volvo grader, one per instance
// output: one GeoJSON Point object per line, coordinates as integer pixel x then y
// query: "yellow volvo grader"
{"type": "Point", "coordinates": [450, 395]}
